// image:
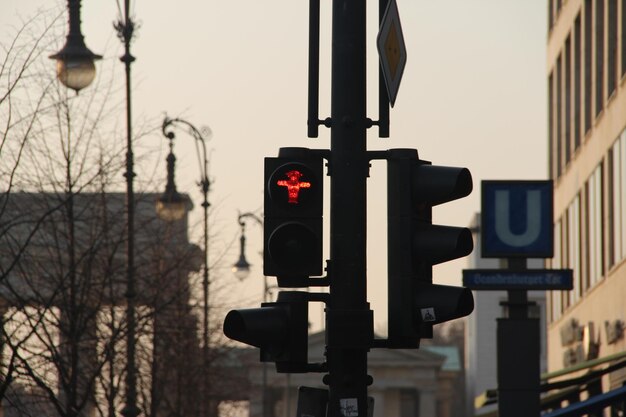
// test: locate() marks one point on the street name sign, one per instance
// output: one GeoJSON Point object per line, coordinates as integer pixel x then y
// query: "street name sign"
{"type": "Point", "coordinates": [529, 279]}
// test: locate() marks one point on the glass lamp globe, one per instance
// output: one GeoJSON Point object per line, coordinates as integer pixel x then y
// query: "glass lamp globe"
{"type": "Point", "coordinates": [76, 73]}
{"type": "Point", "coordinates": [241, 269]}
{"type": "Point", "coordinates": [171, 207]}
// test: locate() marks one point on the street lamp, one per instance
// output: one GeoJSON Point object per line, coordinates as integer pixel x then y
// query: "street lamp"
{"type": "Point", "coordinates": [172, 206]}
{"type": "Point", "coordinates": [75, 62]}
{"type": "Point", "coordinates": [241, 268]}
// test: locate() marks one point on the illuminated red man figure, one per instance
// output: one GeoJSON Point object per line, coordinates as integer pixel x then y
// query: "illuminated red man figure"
{"type": "Point", "coordinates": [293, 185]}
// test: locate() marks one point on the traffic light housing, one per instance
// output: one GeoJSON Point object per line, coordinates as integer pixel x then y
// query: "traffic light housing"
{"type": "Point", "coordinates": [293, 203]}
{"type": "Point", "coordinates": [279, 329]}
{"type": "Point", "coordinates": [415, 304]}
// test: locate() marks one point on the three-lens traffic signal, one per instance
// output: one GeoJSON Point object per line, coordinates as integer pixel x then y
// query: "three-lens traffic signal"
{"type": "Point", "coordinates": [415, 245]}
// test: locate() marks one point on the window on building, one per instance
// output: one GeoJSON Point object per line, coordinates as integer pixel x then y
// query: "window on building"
{"type": "Point", "coordinates": [585, 268]}
{"type": "Point", "coordinates": [595, 242]}
{"type": "Point", "coordinates": [613, 190]}
{"type": "Point", "coordinates": [567, 57]}
{"type": "Point", "coordinates": [559, 114]}
{"type": "Point", "coordinates": [556, 307]}
{"type": "Point", "coordinates": [551, 153]}
{"type": "Point", "coordinates": [599, 55]}
{"type": "Point", "coordinates": [577, 52]}
{"type": "Point", "coordinates": [622, 194]}
{"type": "Point", "coordinates": [573, 248]}
{"type": "Point", "coordinates": [617, 200]}
{"type": "Point", "coordinates": [409, 403]}
{"type": "Point", "coordinates": [611, 47]}
{"type": "Point", "coordinates": [587, 89]}
{"type": "Point", "coordinates": [623, 7]}
{"type": "Point", "coordinates": [563, 261]}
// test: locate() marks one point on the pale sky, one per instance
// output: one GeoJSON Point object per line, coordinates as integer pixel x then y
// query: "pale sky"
{"type": "Point", "coordinates": [473, 94]}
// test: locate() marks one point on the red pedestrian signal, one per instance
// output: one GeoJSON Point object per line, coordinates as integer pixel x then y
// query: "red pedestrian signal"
{"type": "Point", "coordinates": [293, 185]}
{"type": "Point", "coordinates": [293, 214]}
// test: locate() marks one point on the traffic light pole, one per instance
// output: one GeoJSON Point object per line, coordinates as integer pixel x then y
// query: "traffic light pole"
{"type": "Point", "coordinates": [293, 197]}
{"type": "Point", "coordinates": [349, 319]}
{"type": "Point", "coordinates": [518, 354]}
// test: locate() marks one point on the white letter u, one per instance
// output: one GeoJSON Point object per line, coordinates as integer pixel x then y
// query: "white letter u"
{"type": "Point", "coordinates": [533, 217]}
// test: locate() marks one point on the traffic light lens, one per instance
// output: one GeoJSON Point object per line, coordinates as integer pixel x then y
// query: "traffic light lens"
{"type": "Point", "coordinates": [257, 326]}
{"type": "Point", "coordinates": [291, 246]}
{"type": "Point", "coordinates": [293, 185]}
{"type": "Point", "coordinates": [295, 188]}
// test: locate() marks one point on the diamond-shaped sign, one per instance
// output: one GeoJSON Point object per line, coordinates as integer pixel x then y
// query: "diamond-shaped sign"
{"type": "Point", "coordinates": [391, 50]}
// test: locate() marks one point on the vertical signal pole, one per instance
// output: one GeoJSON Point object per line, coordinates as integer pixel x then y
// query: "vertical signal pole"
{"type": "Point", "coordinates": [349, 320]}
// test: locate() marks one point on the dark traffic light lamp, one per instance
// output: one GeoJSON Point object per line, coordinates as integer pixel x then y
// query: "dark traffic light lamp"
{"type": "Point", "coordinates": [293, 214]}
{"type": "Point", "coordinates": [279, 329]}
{"type": "Point", "coordinates": [414, 186]}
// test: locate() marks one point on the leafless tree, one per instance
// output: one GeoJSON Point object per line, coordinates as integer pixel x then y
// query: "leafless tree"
{"type": "Point", "coordinates": [62, 252]}
{"type": "Point", "coordinates": [62, 248]}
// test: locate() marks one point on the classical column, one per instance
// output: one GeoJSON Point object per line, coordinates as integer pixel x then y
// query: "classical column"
{"type": "Point", "coordinates": [428, 401]}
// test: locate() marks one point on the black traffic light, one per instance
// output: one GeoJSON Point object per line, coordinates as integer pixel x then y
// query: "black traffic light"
{"type": "Point", "coordinates": [415, 245]}
{"type": "Point", "coordinates": [279, 329]}
{"type": "Point", "coordinates": [293, 214]}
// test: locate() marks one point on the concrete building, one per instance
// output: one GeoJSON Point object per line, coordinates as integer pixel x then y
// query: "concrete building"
{"type": "Point", "coordinates": [62, 293]}
{"type": "Point", "coordinates": [407, 382]}
{"type": "Point", "coordinates": [586, 67]}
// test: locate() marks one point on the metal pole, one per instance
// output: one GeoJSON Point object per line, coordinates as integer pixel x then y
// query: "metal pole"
{"type": "Point", "coordinates": [518, 358]}
{"type": "Point", "coordinates": [125, 32]}
{"type": "Point", "coordinates": [314, 68]}
{"type": "Point", "coordinates": [264, 381]}
{"type": "Point", "coordinates": [206, 404]}
{"type": "Point", "coordinates": [347, 354]}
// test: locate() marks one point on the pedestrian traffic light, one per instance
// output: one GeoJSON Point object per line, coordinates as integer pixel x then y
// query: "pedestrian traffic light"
{"type": "Point", "coordinates": [415, 245]}
{"type": "Point", "coordinates": [279, 329]}
{"type": "Point", "coordinates": [293, 214]}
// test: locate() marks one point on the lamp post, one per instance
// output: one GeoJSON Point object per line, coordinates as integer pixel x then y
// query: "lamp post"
{"type": "Point", "coordinates": [76, 70]}
{"type": "Point", "coordinates": [125, 28]}
{"type": "Point", "coordinates": [172, 206]}
{"type": "Point", "coordinates": [75, 62]}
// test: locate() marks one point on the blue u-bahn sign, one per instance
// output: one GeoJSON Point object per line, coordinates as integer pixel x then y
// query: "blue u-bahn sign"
{"type": "Point", "coordinates": [517, 219]}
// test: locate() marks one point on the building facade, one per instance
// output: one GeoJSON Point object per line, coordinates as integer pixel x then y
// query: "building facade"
{"type": "Point", "coordinates": [407, 382]}
{"type": "Point", "coordinates": [586, 68]}
{"type": "Point", "coordinates": [62, 293]}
